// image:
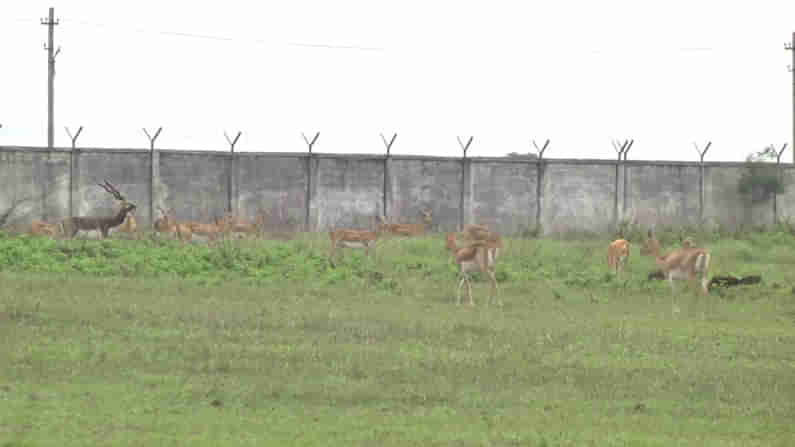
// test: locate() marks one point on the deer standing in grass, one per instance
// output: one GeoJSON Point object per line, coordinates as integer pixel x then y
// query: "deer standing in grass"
{"type": "Point", "coordinates": [41, 228]}
{"type": "Point", "coordinates": [398, 229]}
{"type": "Point", "coordinates": [102, 224]}
{"type": "Point", "coordinates": [617, 255]}
{"type": "Point", "coordinates": [686, 263]}
{"type": "Point", "coordinates": [478, 256]}
{"type": "Point", "coordinates": [130, 226]}
{"type": "Point", "coordinates": [351, 239]}
{"type": "Point", "coordinates": [167, 224]}
{"type": "Point", "coordinates": [239, 227]}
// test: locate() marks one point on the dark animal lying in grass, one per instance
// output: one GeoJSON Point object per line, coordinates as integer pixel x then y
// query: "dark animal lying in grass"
{"type": "Point", "coordinates": [718, 281]}
{"type": "Point", "coordinates": [728, 281]}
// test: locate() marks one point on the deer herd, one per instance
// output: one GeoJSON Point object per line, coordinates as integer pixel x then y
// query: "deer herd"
{"type": "Point", "coordinates": [474, 249]}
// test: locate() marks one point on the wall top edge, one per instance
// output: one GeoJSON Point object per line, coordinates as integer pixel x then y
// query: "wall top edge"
{"type": "Point", "coordinates": [396, 157]}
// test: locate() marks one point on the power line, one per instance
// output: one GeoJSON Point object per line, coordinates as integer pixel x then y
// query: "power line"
{"type": "Point", "coordinates": [226, 38]}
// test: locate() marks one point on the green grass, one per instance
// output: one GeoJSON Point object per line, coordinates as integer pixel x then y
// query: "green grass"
{"type": "Point", "coordinates": [263, 343]}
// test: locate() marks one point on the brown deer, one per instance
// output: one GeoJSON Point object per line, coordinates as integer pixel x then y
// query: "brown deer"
{"type": "Point", "coordinates": [240, 227]}
{"type": "Point", "coordinates": [41, 228]}
{"type": "Point", "coordinates": [130, 226]}
{"type": "Point", "coordinates": [652, 245]}
{"type": "Point", "coordinates": [617, 255]}
{"type": "Point", "coordinates": [167, 224]}
{"type": "Point", "coordinates": [398, 229]}
{"type": "Point", "coordinates": [102, 224]}
{"type": "Point", "coordinates": [686, 263]}
{"type": "Point", "coordinates": [479, 256]}
{"type": "Point", "coordinates": [351, 239]}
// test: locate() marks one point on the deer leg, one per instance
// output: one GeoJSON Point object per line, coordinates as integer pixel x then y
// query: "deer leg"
{"type": "Point", "coordinates": [496, 289]}
{"type": "Point", "coordinates": [460, 284]}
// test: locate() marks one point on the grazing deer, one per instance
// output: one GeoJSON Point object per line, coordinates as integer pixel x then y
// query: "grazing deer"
{"type": "Point", "coordinates": [479, 256]}
{"type": "Point", "coordinates": [351, 239]}
{"type": "Point", "coordinates": [482, 233]}
{"type": "Point", "coordinates": [398, 229]}
{"type": "Point", "coordinates": [167, 224]}
{"type": "Point", "coordinates": [240, 227]}
{"type": "Point", "coordinates": [686, 263]}
{"type": "Point", "coordinates": [652, 245]}
{"type": "Point", "coordinates": [101, 224]}
{"type": "Point", "coordinates": [617, 255]}
{"type": "Point", "coordinates": [130, 226]}
{"type": "Point", "coordinates": [211, 231]}
{"type": "Point", "coordinates": [41, 228]}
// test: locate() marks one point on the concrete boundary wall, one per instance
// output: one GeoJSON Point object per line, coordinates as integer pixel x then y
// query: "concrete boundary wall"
{"type": "Point", "coordinates": [322, 191]}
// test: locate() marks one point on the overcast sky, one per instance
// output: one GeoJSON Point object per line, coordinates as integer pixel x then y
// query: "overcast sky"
{"type": "Point", "coordinates": [580, 73]}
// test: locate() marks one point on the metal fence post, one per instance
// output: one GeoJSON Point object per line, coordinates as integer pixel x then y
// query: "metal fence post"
{"type": "Point", "coordinates": [152, 139]}
{"type": "Point", "coordinates": [539, 180]}
{"type": "Point", "coordinates": [464, 177]}
{"type": "Point", "coordinates": [72, 163]}
{"type": "Point", "coordinates": [231, 175]}
{"type": "Point", "coordinates": [701, 154]}
{"type": "Point", "coordinates": [620, 149]}
{"type": "Point", "coordinates": [386, 190]}
{"type": "Point", "coordinates": [778, 176]}
{"type": "Point", "coordinates": [310, 145]}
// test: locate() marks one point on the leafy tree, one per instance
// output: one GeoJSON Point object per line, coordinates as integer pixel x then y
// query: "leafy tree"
{"type": "Point", "coordinates": [761, 179]}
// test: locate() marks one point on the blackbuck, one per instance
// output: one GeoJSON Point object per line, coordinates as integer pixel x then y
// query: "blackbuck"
{"type": "Point", "coordinates": [351, 239]}
{"type": "Point", "coordinates": [687, 263]}
{"type": "Point", "coordinates": [617, 255]}
{"type": "Point", "coordinates": [101, 224]}
{"type": "Point", "coordinates": [480, 255]}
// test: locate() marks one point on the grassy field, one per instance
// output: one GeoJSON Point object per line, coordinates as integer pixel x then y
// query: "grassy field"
{"type": "Point", "coordinates": [262, 343]}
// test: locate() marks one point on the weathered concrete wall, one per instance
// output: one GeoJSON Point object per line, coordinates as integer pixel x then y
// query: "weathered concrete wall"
{"type": "Point", "coordinates": [37, 180]}
{"type": "Point", "coordinates": [417, 183]}
{"type": "Point", "coordinates": [577, 196]}
{"type": "Point", "coordinates": [502, 195]}
{"type": "Point", "coordinates": [786, 201]}
{"type": "Point", "coordinates": [725, 205]}
{"type": "Point", "coordinates": [273, 184]}
{"type": "Point", "coordinates": [661, 194]}
{"type": "Point", "coordinates": [194, 184]}
{"type": "Point", "coordinates": [346, 192]}
{"type": "Point", "coordinates": [127, 170]}
{"type": "Point", "coordinates": [349, 190]}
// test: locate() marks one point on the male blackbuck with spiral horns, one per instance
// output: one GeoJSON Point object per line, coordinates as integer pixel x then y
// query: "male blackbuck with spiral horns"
{"type": "Point", "coordinates": [102, 224]}
{"type": "Point", "coordinates": [686, 263]}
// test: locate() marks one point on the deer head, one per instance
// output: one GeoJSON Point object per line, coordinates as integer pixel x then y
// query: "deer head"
{"type": "Point", "coordinates": [113, 191]}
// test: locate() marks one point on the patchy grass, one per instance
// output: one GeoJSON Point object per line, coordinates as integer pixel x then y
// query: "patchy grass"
{"type": "Point", "coordinates": [263, 343]}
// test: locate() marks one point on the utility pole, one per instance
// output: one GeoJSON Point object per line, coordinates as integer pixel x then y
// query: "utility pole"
{"type": "Point", "coordinates": [50, 22]}
{"type": "Point", "coordinates": [789, 47]}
